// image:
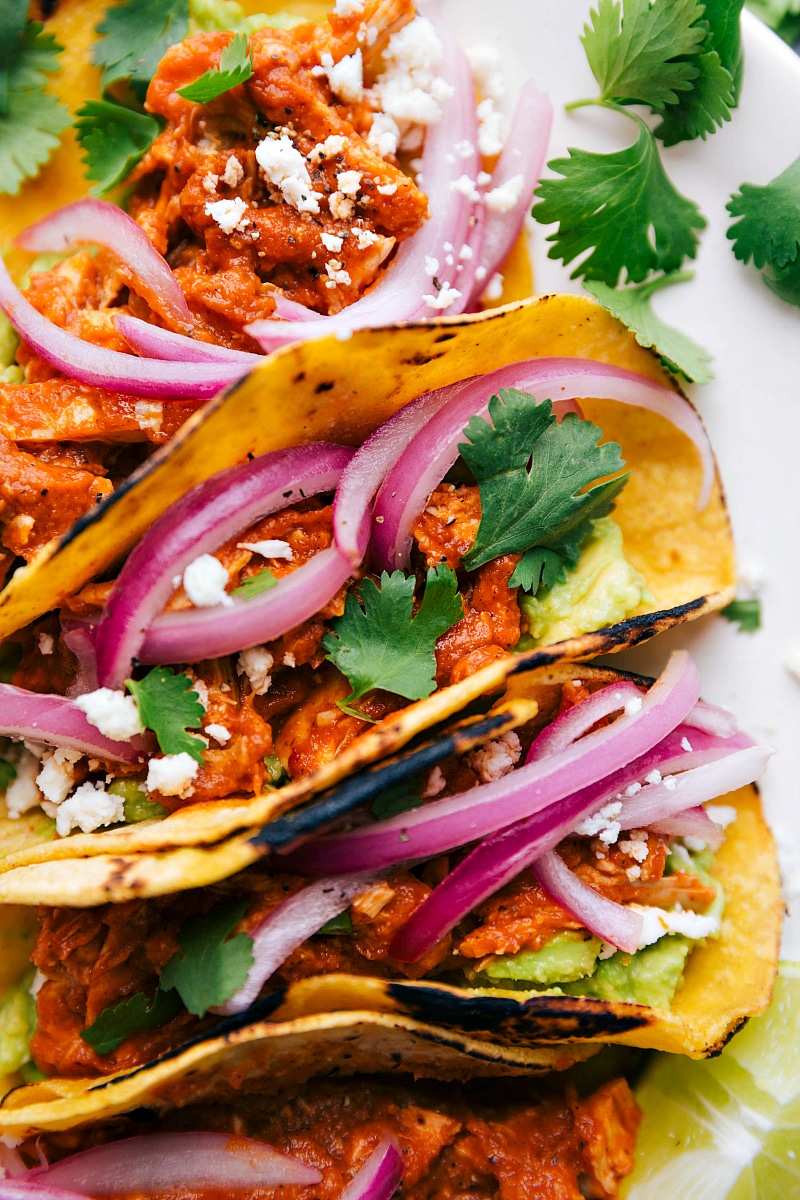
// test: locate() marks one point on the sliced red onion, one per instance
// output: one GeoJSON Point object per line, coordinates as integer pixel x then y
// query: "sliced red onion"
{"type": "Point", "coordinates": [712, 719]}
{"type": "Point", "coordinates": [55, 721]}
{"type": "Point", "coordinates": [194, 634]}
{"type": "Point", "coordinates": [290, 310]}
{"type": "Point", "coordinates": [110, 368]}
{"type": "Point", "coordinates": [289, 924]}
{"type": "Point", "coordinates": [158, 1163]}
{"type": "Point", "coordinates": [577, 720]}
{"type": "Point", "coordinates": [11, 1163]}
{"type": "Point", "coordinates": [151, 341]}
{"type": "Point", "coordinates": [365, 471]}
{"type": "Point", "coordinates": [501, 857]}
{"type": "Point", "coordinates": [398, 293]}
{"type": "Point", "coordinates": [434, 450]}
{"type": "Point", "coordinates": [23, 1189]}
{"type": "Point", "coordinates": [443, 825]}
{"type": "Point", "coordinates": [692, 822]}
{"type": "Point", "coordinates": [662, 799]}
{"type": "Point", "coordinates": [105, 224]}
{"type": "Point", "coordinates": [79, 637]}
{"type": "Point", "coordinates": [523, 155]}
{"type": "Point", "coordinates": [380, 1175]}
{"type": "Point", "coordinates": [615, 924]}
{"type": "Point", "coordinates": [200, 521]}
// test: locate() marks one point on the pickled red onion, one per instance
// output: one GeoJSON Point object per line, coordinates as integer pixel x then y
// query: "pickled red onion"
{"type": "Point", "coordinates": [104, 224]}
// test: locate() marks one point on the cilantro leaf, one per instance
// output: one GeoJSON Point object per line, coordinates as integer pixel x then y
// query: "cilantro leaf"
{"type": "Point", "coordinates": [31, 120]}
{"type": "Point", "coordinates": [235, 67]}
{"type": "Point", "coordinates": [723, 18]}
{"type": "Point", "coordinates": [702, 110]}
{"type": "Point", "coordinates": [382, 645]}
{"type": "Point", "coordinates": [133, 1015]}
{"type": "Point", "coordinates": [343, 924]}
{"type": "Point", "coordinates": [169, 706]}
{"type": "Point", "coordinates": [134, 37]}
{"type": "Point", "coordinates": [113, 139]}
{"type": "Point", "coordinates": [623, 207]}
{"type": "Point", "coordinates": [638, 57]}
{"type": "Point", "coordinates": [255, 585]}
{"type": "Point", "coordinates": [531, 471]}
{"type": "Point", "coordinates": [631, 305]}
{"type": "Point", "coordinates": [208, 969]}
{"type": "Point", "coordinates": [768, 231]}
{"type": "Point", "coordinates": [781, 15]}
{"type": "Point", "coordinates": [8, 773]}
{"type": "Point", "coordinates": [540, 568]}
{"type": "Point", "coordinates": [745, 613]}
{"type": "Point", "coordinates": [12, 26]}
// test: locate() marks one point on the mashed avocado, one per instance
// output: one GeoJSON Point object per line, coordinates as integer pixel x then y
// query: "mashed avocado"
{"type": "Point", "coordinates": [210, 15]}
{"type": "Point", "coordinates": [651, 976]}
{"type": "Point", "coordinates": [17, 1023]}
{"type": "Point", "coordinates": [569, 956]}
{"type": "Point", "coordinates": [603, 588]}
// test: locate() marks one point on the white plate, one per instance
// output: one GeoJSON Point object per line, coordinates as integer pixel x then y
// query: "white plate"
{"type": "Point", "coordinates": [751, 408]}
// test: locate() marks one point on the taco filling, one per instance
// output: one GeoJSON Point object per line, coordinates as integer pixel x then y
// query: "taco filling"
{"type": "Point", "coordinates": [292, 602]}
{"type": "Point", "coordinates": [280, 188]}
{"type": "Point", "coordinates": [603, 894]}
{"type": "Point", "coordinates": [429, 1139]}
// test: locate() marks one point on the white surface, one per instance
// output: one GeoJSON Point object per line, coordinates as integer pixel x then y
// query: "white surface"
{"type": "Point", "coordinates": [751, 408]}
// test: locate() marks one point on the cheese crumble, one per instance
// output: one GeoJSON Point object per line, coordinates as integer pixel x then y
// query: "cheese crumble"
{"type": "Point", "coordinates": [113, 713]}
{"type": "Point", "coordinates": [205, 580]}
{"type": "Point", "coordinates": [283, 165]}
{"type": "Point", "coordinates": [172, 775]}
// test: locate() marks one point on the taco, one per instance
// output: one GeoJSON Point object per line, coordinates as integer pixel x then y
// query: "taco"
{"type": "Point", "coordinates": [635, 549]}
{"type": "Point", "coordinates": [573, 1137]}
{"type": "Point", "coordinates": [603, 903]}
{"type": "Point", "coordinates": [370, 1134]}
{"type": "Point", "coordinates": [264, 163]}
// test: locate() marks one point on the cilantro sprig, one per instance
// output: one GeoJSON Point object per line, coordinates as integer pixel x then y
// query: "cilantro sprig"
{"type": "Point", "coordinates": [631, 305]}
{"type": "Point", "coordinates": [766, 230]}
{"type": "Point", "coordinates": [235, 67]}
{"type": "Point", "coordinates": [622, 207]}
{"type": "Point", "coordinates": [169, 706]}
{"type": "Point", "coordinates": [384, 644]}
{"type": "Point", "coordinates": [31, 120]}
{"type": "Point", "coordinates": [538, 483]}
{"type": "Point", "coordinates": [209, 968]}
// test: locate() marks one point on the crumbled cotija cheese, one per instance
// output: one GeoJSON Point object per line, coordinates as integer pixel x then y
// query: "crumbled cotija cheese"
{"type": "Point", "coordinates": [172, 775]}
{"type": "Point", "coordinates": [336, 273]}
{"type": "Point", "coordinates": [657, 922]}
{"type": "Point", "coordinates": [490, 128]}
{"type": "Point", "coordinates": [113, 713]}
{"type": "Point", "coordinates": [332, 242]}
{"type": "Point", "coordinates": [494, 288]}
{"type": "Point", "coordinates": [341, 206]}
{"type": "Point", "coordinates": [228, 214]}
{"type": "Point", "coordinates": [45, 643]}
{"type": "Point", "coordinates": [603, 824]}
{"type": "Point", "coordinates": [269, 548]}
{"type": "Point", "coordinates": [256, 664]}
{"type": "Point", "coordinates": [219, 733]}
{"type": "Point", "coordinates": [22, 793]}
{"type": "Point", "coordinates": [349, 182]}
{"type": "Point", "coordinates": [443, 299]}
{"type": "Point", "coordinates": [205, 580]}
{"type": "Point", "coordinates": [87, 809]}
{"type": "Point", "coordinates": [57, 776]}
{"type": "Point", "coordinates": [346, 77]}
{"type": "Point", "coordinates": [365, 238]}
{"type": "Point", "coordinates": [348, 8]}
{"type": "Point", "coordinates": [233, 173]}
{"type": "Point", "coordinates": [467, 187]}
{"type": "Point", "coordinates": [409, 89]}
{"type": "Point", "coordinates": [384, 135]}
{"type": "Point", "coordinates": [503, 198]}
{"type": "Point", "coordinates": [149, 414]}
{"type": "Point", "coordinates": [283, 165]}
{"type": "Point", "coordinates": [333, 144]}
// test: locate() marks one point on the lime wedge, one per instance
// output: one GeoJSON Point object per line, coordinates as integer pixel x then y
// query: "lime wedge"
{"type": "Point", "coordinates": [727, 1128]}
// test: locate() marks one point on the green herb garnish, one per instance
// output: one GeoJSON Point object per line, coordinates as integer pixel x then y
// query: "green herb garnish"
{"type": "Point", "coordinates": [169, 706]}
{"type": "Point", "coordinates": [235, 67]}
